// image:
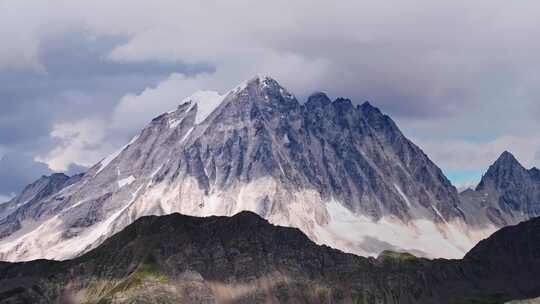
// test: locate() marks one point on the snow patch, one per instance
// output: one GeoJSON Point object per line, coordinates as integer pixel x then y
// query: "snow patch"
{"type": "Point", "coordinates": [207, 102]}
{"type": "Point", "coordinates": [173, 123]}
{"type": "Point", "coordinates": [360, 235]}
{"type": "Point", "coordinates": [324, 221]}
{"type": "Point", "coordinates": [126, 181]}
{"type": "Point", "coordinates": [132, 140]}
{"type": "Point", "coordinates": [238, 88]}
{"type": "Point", "coordinates": [187, 134]}
{"type": "Point", "coordinates": [438, 213]}
{"type": "Point", "coordinates": [107, 160]}
{"type": "Point", "coordinates": [402, 195]}
{"type": "Point", "coordinates": [156, 171]}
{"type": "Point", "coordinates": [47, 241]}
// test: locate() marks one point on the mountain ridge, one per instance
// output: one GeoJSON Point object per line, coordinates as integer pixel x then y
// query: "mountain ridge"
{"type": "Point", "coordinates": [344, 174]}
{"type": "Point", "coordinates": [245, 259]}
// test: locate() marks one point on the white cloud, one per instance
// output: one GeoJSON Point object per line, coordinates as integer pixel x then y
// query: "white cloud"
{"type": "Point", "coordinates": [466, 184]}
{"type": "Point", "coordinates": [135, 111]}
{"type": "Point", "coordinates": [82, 142]}
{"type": "Point", "coordinates": [477, 155]}
{"type": "Point", "coordinates": [371, 48]}
{"type": "Point", "coordinates": [474, 61]}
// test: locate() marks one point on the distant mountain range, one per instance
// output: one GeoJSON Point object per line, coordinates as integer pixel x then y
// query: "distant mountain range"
{"type": "Point", "coordinates": [507, 194]}
{"type": "Point", "coordinates": [343, 174]}
{"type": "Point", "coordinates": [244, 259]}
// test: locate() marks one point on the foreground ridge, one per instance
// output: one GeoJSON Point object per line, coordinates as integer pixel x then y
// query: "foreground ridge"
{"type": "Point", "coordinates": [244, 259]}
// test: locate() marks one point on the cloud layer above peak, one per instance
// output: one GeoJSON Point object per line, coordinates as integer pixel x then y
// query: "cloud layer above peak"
{"type": "Point", "coordinates": [463, 73]}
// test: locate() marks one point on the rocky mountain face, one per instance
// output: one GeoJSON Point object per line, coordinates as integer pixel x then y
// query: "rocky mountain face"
{"type": "Point", "coordinates": [32, 194]}
{"type": "Point", "coordinates": [343, 174]}
{"type": "Point", "coordinates": [245, 259]}
{"type": "Point", "coordinates": [507, 194]}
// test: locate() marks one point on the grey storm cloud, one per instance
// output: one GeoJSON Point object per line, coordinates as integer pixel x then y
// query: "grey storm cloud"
{"type": "Point", "coordinates": [78, 83]}
{"type": "Point", "coordinates": [459, 76]}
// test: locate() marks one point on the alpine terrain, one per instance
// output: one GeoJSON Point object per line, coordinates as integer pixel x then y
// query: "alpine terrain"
{"type": "Point", "coordinates": [344, 175]}
{"type": "Point", "coordinates": [507, 194]}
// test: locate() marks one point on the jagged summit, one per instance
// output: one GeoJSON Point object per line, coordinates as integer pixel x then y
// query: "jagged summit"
{"type": "Point", "coordinates": [269, 95]}
{"type": "Point", "coordinates": [506, 155]}
{"type": "Point", "coordinates": [507, 159]}
{"type": "Point", "coordinates": [259, 82]}
{"type": "Point", "coordinates": [366, 104]}
{"type": "Point", "coordinates": [317, 100]}
{"type": "Point", "coordinates": [504, 170]}
{"type": "Point", "coordinates": [507, 193]}
{"type": "Point", "coordinates": [367, 107]}
{"type": "Point", "coordinates": [203, 103]}
{"type": "Point", "coordinates": [343, 104]}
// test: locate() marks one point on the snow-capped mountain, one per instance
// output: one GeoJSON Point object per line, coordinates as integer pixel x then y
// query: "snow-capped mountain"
{"type": "Point", "coordinates": [343, 174]}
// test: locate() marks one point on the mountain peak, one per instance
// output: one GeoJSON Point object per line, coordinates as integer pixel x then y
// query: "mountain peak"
{"type": "Point", "coordinates": [207, 101]}
{"type": "Point", "coordinates": [505, 168]}
{"type": "Point", "coordinates": [507, 160]}
{"type": "Point", "coordinates": [264, 81]}
{"type": "Point", "coordinates": [367, 104]}
{"type": "Point", "coordinates": [264, 77]}
{"type": "Point", "coordinates": [317, 100]}
{"type": "Point", "coordinates": [368, 109]}
{"type": "Point", "coordinates": [264, 90]}
{"type": "Point", "coordinates": [260, 89]}
{"type": "Point", "coordinates": [257, 80]}
{"type": "Point", "coordinates": [343, 103]}
{"type": "Point", "coordinates": [506, 156]}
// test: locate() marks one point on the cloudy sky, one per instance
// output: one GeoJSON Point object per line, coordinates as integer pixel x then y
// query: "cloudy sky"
{"type": "Point", "coordinates": [79, 78]}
